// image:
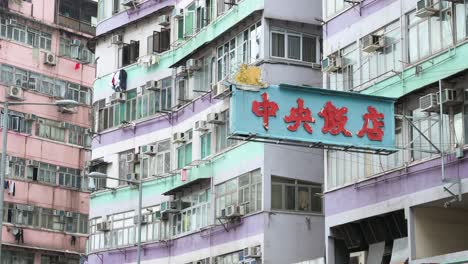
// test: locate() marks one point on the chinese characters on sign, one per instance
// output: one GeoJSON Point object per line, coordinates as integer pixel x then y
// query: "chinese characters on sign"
{"type": "Point", "coordinates": [335, 118]}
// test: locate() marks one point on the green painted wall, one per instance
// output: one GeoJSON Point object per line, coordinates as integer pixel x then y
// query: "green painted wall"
{"type": "Point", "coordinates": [224, 162]}
{"type": "Point", "coordinates": [209, 33]}
{"type": "Point", "coordinates": [438, 67]}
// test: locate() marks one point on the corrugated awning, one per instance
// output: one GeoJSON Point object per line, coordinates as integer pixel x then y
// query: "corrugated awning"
{"type": "Point", "coordinates": [187, 185]}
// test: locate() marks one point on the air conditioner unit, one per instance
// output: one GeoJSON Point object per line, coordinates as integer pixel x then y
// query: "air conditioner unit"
{"type": "Point", "coordinates": [103, 226]}
{"type": "Point", "coordinates": [118, 97]}
{"type": "Point", "coordinates": [32, 163]}
{"type": "Point", "coordinates": [358, 257]}
{"type": "Point", "coordinates": [372, 43]}
{"type": "Point", "coordinates": [164, 20]}
{"type": "Point", "coordinates": [220, 90]}
{"type": "Point", "coordinates": [449, 97]}
{"type": "Point", "coordinates": [428, 103]}
{"type": "Point", "coordinates": [30, 117]}
{"type": "Point", "coordinates": [132, 176]}
{"type": "Point", "coordinates": [25, 207]}
{"type": "Point", "coordinates": [178, 137]}
{"type": "Point", "coordinates": [233, 211]}
{"type": "Point", "coordinates": [66, 110]}
{"type": "Point", "coordinates": [249, 261]}
{"type": "Point", "coordinates": [76, 42]}
{"type": "Point", "coordinates": [68, 214]}
{"type": "Point", "coordinates": [332, 63]}
{"type": "Point", "coordinates": [144, 219]}
{"type": "Point", "coordinates": [15, 92]}
{"type": "Point", "coordinates": [164, 216]}
{"type": "Point", "coordinates": [117, 39]}
{"type": "Point", "coordinates": [58, 212]}
{"type": "Point", "coordinates": [129, 3]}
{"type": "Point", "coordinates": [200, 125]}
{"type": "Point", "coordinates": [50, 58]}
{"type": "Point", "coordinates": [181, 71]}
{"type": "Point", "coordinates": [153, 85]}
{"type": "Point", "coordinates": [170, 207]}
{"type": "Point", "coordinates": [241, 210]}
{"type": "Point", "coordinates": [214, 118]}
{"type": "Point", "coordinates": [252, 252]}
{"type": "Point", "coordinates": [178, 13]}
{"type": "Point", "coordinates": [131, 157]}
{"type": "Point", "coordinates": [148, 150]}
{"type": "Point", "coordinates": [193, 65]}
{"type": "Point", "coordinates": [425, 8]}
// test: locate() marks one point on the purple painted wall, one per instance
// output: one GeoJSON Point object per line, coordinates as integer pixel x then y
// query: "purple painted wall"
{"type": "Point", "coordinates": [416, 178]}
{"type": "Point", "coordinates": [251, 225]}
{"type": "Point", "coordinates": [353, 15]}
{"type": "Point", "coordinates": [155, 124]}
{"type": "Point", "coordinates": [132, 15]}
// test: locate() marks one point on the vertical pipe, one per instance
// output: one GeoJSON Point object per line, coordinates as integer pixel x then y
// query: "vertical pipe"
{"type": "Point", "coordinates": [3, 167]}
{"type": "Point", "coordinates": [441, 131]}
{"type": "Point", "coordinates": [140, 198]}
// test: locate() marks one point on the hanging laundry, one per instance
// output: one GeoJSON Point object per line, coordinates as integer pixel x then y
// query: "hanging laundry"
{"type": "Point", "coordinates": [6, 185]}
{"type": "Point", "coordinates": [183, 175]}
{"type": "Point", "coordinates": [123, 80]}
{"type": "Point", "coordinates": [115, 81]}
{"type": "Point", "coordinates": [11, 190]}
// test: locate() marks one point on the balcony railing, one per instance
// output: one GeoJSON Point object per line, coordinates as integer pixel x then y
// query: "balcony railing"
{"type": "Point", "coordinates": [77, 25]}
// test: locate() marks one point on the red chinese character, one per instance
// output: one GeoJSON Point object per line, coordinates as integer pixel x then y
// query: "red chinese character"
{"type": "Point", "coordinates": [265, 109]}
{"type": "Point", "coordinates": [335, 119]}
{"type": "Point", "coordinates": [375, 133]}
{"type": "Point", "coordinates": [300, 115]}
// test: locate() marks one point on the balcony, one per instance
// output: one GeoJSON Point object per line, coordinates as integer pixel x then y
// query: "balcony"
{"type": "Point", "coordinates": [76, 25]}
{"type": "Point", "coordinates": [79, 15]}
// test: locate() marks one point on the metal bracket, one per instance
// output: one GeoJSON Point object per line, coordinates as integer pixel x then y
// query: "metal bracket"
{"type": "Point", "coordinates": [124, 252]}
{"type": "Point", "coordinates": [223, 224]}
{"type": "Point", "coordinates": [457, 196]}
{"type": "Point", "coordinates": [422, 134]}
{"type": "Point", "coordinates": [101, 258]}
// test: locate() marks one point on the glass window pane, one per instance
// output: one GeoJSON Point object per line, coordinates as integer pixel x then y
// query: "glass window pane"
{"type": "Point", "coordinates": [294, 47]}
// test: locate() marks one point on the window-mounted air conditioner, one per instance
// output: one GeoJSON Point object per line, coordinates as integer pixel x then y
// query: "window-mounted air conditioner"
{"type": "Point", "coordinates": [178, 13]}
{"type": "Point", "coordinates": [144, 219]}
{"type": "Point", "coordinates": [117, 39]}
{"type": "Point", "coordinates": [132, 176]}
{"type": "Point", "coordinates": [449, 97]}
{"type": "Point", "coordinates": [193, 64]}
{"type": "Point", "coordinates": [164, 20]}
{"type": "Point", "coordinates": [30, 117]}
{"type": "Point", "coordinates": [131, 157]}
{"type": "Point", "coordinates": [178, 137]}
{"type": "Point", "coordinates": [148, 150]}
{"type": "Point", "coordinates": [129, 3]}
{"type": "Point", "coordinates": [214, 118]}
{"type": "Point", "coordinates": [153, 85]}
{"type": "Point", "coordinates": [332, 63]}
{"type": "Point", "coordinates": [76, 42]}
{"type": "Point", "coordinates": [66, 110]}
{"type": "Point", "coordinates": [103, 226]}
{"type": "Point", "coordinates": [181, 71]}
{"type": "Point", "coordinates": [233, 211]}
{"type": "Point", "coordinates": [252, 252]}
{"type": "Point", "coordinates": [68, 214]}
{"type": "Point", "coordinates": [358, 257]}
{"type": "Point", "coordinates": [15, 92]}
{"type": "Point", "coordinates": [118, 97]}
{"type": "Point", "coordinates": [200, 125]}
{"type": "Point", "coordinates": [372, 43]}
{"type": "Point", "coordinates": [50, 58]}
{"type": "Point", "coordinates": [32, 163]}
{"type": "Point", "coordinates": [220, 89]}
{"type": "Point", "coordinates": [428, 103]}
{"type": "Point", "coordinates": [425, 8]}
{"type": "Point", "coordinates": [170, 207]}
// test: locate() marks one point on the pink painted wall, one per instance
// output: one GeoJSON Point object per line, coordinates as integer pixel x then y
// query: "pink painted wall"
{"type": "Point", "coordinates": [48, 197]}
{"type": "Point", "coordinates": [23, 56]}
{"type": "Point", "coordinates": [36, 9]}
{"type": "Point", "coordinates": [45, 239]}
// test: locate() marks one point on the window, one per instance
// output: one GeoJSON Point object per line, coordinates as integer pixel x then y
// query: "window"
{"type": "Point", "coordinates": [78, 136]}
{"type": "Point", "coordinates": [205, 147]}
{"type": "Point", "coordinates": [294, 46]}
{"type": "Point", "coordinates": [69, 177]}
{"type": "Point", "coordinates": [243, 190]}
{"type": "Point", "coordinates": [129, 53]}
{"type": "Point", "coordinates": [74, 50]}
{"type": "Point", "coordinates": [16, 167]}
{"type": "Point", "coordinates": [17, 122]}
{"type": "Point", "coordinates": [50, 129]}
{"type": "Point", "coordinates": [34, 216]}
{"type": "Point", "coordinates": [163, 157]}
{"type": "Point", "coordinates": [203, 77]}
{"type": "Point", "coordinates": [182, 91]}
{"type": "Point", "coordinates": [245, 48]}
{"type": "Point", "coordinates": [194, 214]}
{"type": "Point", "coordinates": [295, 195]}
{"type": "Point", "coordinates": [99, 183]}
{"type": "Point", "coordinates": [333, 7]}
{"type": "Point", "coordinates": [222, 133]}
{"type": "Point", "coordinates": [126, 164]}
{"type": "Point", "coordinates": [231, 258]}
{"type": "Point", "coordinates": [22, 33]}
{"type": "Point", "coordinates": [159, 42]}
{"type": "Point", "coordinates": [46, 259]}
{"type": "Point", "coordinates": [115, 6]}
{"type": "Point", "coordinates": [189, 20]}
{"type": "Point", "coordinates": [17, 257]}
{"type": "Point", "coordinates": [427, 36]}
{"type": "Point", "coordinates": [184, 152]}
{"type": "Point", "coordinates": [122, 229]}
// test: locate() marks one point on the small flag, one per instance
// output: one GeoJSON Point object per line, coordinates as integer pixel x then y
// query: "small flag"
{"type": "Point", "coordinates": [77, 66]}
{"type": "Point", "coordinates": [183, 175]}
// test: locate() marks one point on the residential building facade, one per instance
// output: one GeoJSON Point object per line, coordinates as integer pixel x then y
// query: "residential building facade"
{"type": "Point", "coordinates": [161, 107]}
{"type": "Point", "coordinates": [43, 58]}
{"type": "Point", "coordinates": [409, 205]}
